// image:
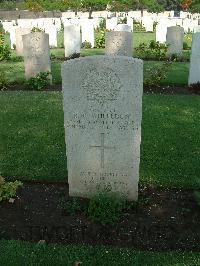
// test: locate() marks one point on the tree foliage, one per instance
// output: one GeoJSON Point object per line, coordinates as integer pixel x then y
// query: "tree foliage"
{"type": "Point", "coordinates": [195, 6]}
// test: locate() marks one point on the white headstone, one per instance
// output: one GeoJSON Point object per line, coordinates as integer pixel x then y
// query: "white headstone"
{"type": "Point", "coordinates": [194, 75]}
{"type": "Point", "coordinates": [130, 22]}
{"type": "Point", "coordinates": [161, 32]}
{"type": "Point", "coordinates": [119, 43]}
{"type": "Point", "coordinates": [52, 31]}
{"type": "Point", "coordinates": [196, 29]}
{"type": "Point", "coordinates": [102, 117]}
{"type": "Point", "coordinates": [12, 36]}
{"type": "Point", "coordinates": [19, 32]}
{"type": "Point", "coordinates": [36, 53]}
{"type": "Point", "coordinates": [72, 40]}
{"type": "Point", "coordinates": [88, 32]}
{"type": "Point", "coordinates": [111, 23]}
{"type": "Point", "coordinates": [122, 27]}
{"type": "Point", "coordinates": [175, 36]}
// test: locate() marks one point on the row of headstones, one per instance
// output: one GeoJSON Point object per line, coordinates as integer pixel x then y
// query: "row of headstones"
{"type": "Point", "coordinates": [87, 29]}
{"type": "Point", "coordinates": [72, 37]}
{"type": "Point", "coordinates": [146, 21]}
{"type": "Point", "coordinates": [161, 28]}
{"type": "Point", "coordinates": [36, 49]}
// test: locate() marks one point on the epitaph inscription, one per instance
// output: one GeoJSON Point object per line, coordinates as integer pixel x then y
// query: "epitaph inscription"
{"type": "Point", "coordinates": [102, 97]}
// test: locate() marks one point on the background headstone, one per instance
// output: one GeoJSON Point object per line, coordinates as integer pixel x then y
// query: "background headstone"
{"type": "Point", "coordinates": [19, 32]}
{"type": "Point", "coordinates": [52, 31]}
{"type": "Point", "coordinates": [175, 36]}
{"type": "Point", "coordinates": [119, 43]}
{"type": "Point", "coordinates": [111, 23]}
{"type": "Point", "coordinates": [72, 40]}
{"type": "Point", "coordinates": [122, 27]}
{"type": "Point", "coordinates": [102, 117]}
{"type": "Point", "coordinates": [194, 74]}
{"type": "Point", "coordinates": [88, 32]}
{"type": "Point", "coordinates": [161, 32]}
{"type": "Point", "coordinates": [36, 53]}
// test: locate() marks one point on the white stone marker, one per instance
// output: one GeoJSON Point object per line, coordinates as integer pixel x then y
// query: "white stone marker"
{"type": "Point", "coordinates": [161, 32]}
{"type": "Point", "coordinates": [72, 40]}
{"type": "Point", "coordinates": [194, 75]}
{"type": "Point", "coordinates": [175, 36]}
{"type": "Point", "coordinates": [19, 32]}
{"type": "Point", "coordinates": [12, 36]}
{"type": "Point", "coordinates": [130, 22]}
{"type": "Point", "coordinates": [102, 117]}
{"type": "Point", "coordinates": [122, 27]}
{"type": "Point", "coordinates": [88, 32]}
{"type": "Point", "coordinates": [197, 29]}
{"type": "Point", "coordinates": [111, 23]}
{"type": "Point", "coordinates": [36, 53]}
{"type": "Point", "coordinates": [52, 31]}
{"type": "Point", "coordinates": [119, 43]}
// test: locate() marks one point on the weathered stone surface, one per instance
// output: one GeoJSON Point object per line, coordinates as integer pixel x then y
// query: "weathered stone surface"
{"type": "Point", "coordinates": [194, 75]}
{"type": "Point", "coordinates": [103, 110]}
{"type": "Point", "coordinates": [175, 36]}
{"type": "Point", "coordinates": [36, 53]}
{"type": "Point", "coordinates": [119, 43]}
{"type": "Point", "coordinates": [123, 27]}
{"type": "Point", "coordinates": [19, 32]}
{"type": "Point", "coordinates": [72, 40]}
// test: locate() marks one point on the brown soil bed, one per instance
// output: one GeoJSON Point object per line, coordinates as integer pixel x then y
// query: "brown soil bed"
{"type": "Point", "coordinates": [164, 219]}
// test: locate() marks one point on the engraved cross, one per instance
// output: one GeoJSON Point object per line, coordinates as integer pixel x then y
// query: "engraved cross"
{"type": "Point", "coordinates": [102, 148]}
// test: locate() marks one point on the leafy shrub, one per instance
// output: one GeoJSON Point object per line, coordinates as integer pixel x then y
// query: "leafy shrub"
{"type": "Point", "coordinates": [16, 58]}
{"type": "Point", "coordinates": [195, 88]}
{"type": "Point", "coordinates": [8, 189]}
{"type": "Point", "coordinates": [3, 81]}
{"type": "Point", "coordinates": [102, 24]}
{"type": "Point", "coordinates": [35, 29]}
{"type": "Point", "coordinates": [122, 20]}
{"type": "Point", "coordinates": [39, 82]}
{"type": "Point", "coordinates": [155, 74]}
{"type": "Point", "coordinates": [73, 206]}
{"type": "Point", "coordinates": [185, 46]}
{"type": "Point", "coordinates": [196, 195]}
{"type": "Point", "coordinates": [105, 208]}
{"type": "Point", "coordinates": [1, 28]}
{"type": "Point", "coordinates": [137, 26]}
{"type": "Point", "coordinates": [153, 50]}
{"type": "Point", "coordinates": [86, 45]}
{"type": "Point", "coordinates": [100, 39]}
{"type": "Point", "coordinates": [154, 25]}
{"type": "Point", "coordinates": [5, 52]}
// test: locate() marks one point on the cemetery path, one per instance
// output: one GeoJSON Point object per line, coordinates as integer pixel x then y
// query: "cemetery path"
{"type": "Point", "coordinates": [164, 219]}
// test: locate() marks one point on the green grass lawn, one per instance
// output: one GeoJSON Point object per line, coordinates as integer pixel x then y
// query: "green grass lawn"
{"type": "Point", "coordinates": [32, 138]}
{"type": "Point", "coordinates": [33, 148]}
{"type": "Point", "coordinates": [16, 253]}
{"type": "Point", "coordinates": [178, 71]}
{"type": "Point", "coordinates": [138, 37]}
